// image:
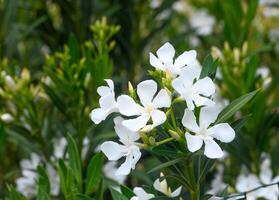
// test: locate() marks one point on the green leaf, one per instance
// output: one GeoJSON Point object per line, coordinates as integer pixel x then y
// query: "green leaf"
{"type": "Point", "coordinates": [74, 49]}
{"type": "Point", "coordinates": [164, 165]}
{"type": "Point", "coordinates": [44, 185]}
{"type": "Point", "coordinates": [14, 195]}
{"type": "Point", "coordinates": [127, 191]}
{"type": "Point", "coordinates": [94, 171]}
{"type": "Point", "coordinates": [56, 100]}
{"type": "Point", "coordinates": [117, 195]}
{"type": "Point", "coordinates": [62, 171]}
{"type": "Point", "coordinates": [235, 106]}
{"type": "Point", "coordinates": [74, 160]}
{"type": "Point", "coordinates": [209, 67]}
{"type": "Point", "coordinates": [82, 197]}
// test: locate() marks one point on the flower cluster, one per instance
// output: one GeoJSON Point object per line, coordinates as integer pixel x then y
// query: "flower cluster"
{"type": "Point", "coordinates": [149, 106]}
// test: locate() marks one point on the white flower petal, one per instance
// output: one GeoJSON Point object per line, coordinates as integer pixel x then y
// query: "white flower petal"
{"type": "Point", "coordinates": [178, 85]}
{"type": "Point", "coordinates": [141, 194]}
{"type": "Point", "coordinates": [124, 133]}
{"type": "Point", "coordinates": [222, 132]}
{"type": "Point", "coordinates": [187, 58]}
{"type": "Point", "coordinates": [176, 192]}
{"type": "Point", "coordinates": [125, 168]}
{"type": "Point", "coordinates": [158, 117]}
{"type": "Point", "coordinates": [189, 103]}
{"type": "Point", "coordinates": [146, 91]}
{"type": "Point", "coordinates": [208, 115]}
{"type": "Point", "coordinates": [103, 90]}
{"type": "Point", "coordinates": [203, 101]}
{"type": "Point", "coordinates": [189, 74]}
{"type": "Point", "coordinates": [204, 86]}
{"type": "Point", "coordinates": [212, 149]}
{"type": "Point", "coordinates": [127, 106]}
{"type": "Point", "coordinates": [107, 101]}
{"type": "Point", "coordinates": [162, 99]}
{"type": "Point", "coordinates": [110, 84]}
{"type": "Point", "coordinates": [97, 115]}
{"type": "Point", "coordinates": [166, 53]}
{"type": "Point", "coordinates": [137, 123]}
{"type": "Point", "coordinates": [135, 154]}
{"type": "Point", "coordinates": [194, 143]}
{"type": "Point", "coordinates": [189, 121]}
{"type": "Point", "coordinates": [112, 150]}
{"type": "Point", "coordinates": [155, 62]}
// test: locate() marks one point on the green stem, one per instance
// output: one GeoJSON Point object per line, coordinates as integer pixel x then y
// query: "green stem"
{"type": "Point", "coordinates": [164, 141]}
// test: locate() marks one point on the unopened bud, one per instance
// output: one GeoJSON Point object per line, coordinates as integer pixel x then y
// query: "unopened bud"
{"type": "Point", "coordinates": [236, 54]}
{"type": "Point", "coordinates": [152, 140]}
{"type": "Point", "coordinates": [7, 117]}
{"type": "Point", "coordinates": [245, 48]}
{"type": "Point", "coordinates": [25, 74]}
{"type": "Point", "coordinates": [174, 134]}
{"type": "Point", "coordinates": [10, 83]}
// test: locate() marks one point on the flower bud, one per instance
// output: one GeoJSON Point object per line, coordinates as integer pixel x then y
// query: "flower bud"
{"type": "Point", "coordinates": [7, 117]}
{"type": "Point", "coordinates": [25, 74]}
{"type": "Point", "coordinates": [174, 134]}
{"type": "Point", "coordinates": [10, 83]}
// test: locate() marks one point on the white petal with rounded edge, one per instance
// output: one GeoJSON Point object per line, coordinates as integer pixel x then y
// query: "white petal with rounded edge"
{"type": "Point", "coordinates": [177, 85]}
{"type": "Point", "coordinates": [162, 99]}
{"type": "Point", "coordinates": [223, 132]}
{"type": "Point", "coordinates": [137, 123]}
{"type": "Point", "coordinates": [127, 106]}
{"type": "Point", "coordinates": [141, 194]}
{"type": "Point", "coordinates": [97, 115]}
{"type": "Point", "coordinates": [194, 143]}
{"type": "Point", "coordinates": [189, 73]}
{"type": "Point", "coordinates": [161, 186]}
{"type": "Point", "coordinates": [103, 90]}
{"type": "Point", "coordinates": [112, 150]}
{"type": "Point", "coordinates": [107, 101]}
{"type": "Point", "coordinates": [125, 134]}
{"type": "Point", "coordinates": [158, 117]}
{"type": "Point", "coordinates": [166, 53]}
{"type": "Point", "coordinates": [155, 62]}
{"type": "Point", "coordinates": [204, 86]}
{"type": "Point", "coordinates": [187, 58]}
{"type": "Point", "coordinates": [146, 91]}
{"type": "Point", "coordinates": [212, 149]}
{"type": "Point", "coordinates": [136, 154]}
{"type": "Point", "coordinates": [176, 192]}
{"type": "Point", "coordinates": [189, 102]}
{"type": "Point", "coordinates": [208, 115]}
{"type": "Point", "coordinates": [189, 121]}
{"type": "Point", "coordinates": [203, 101]}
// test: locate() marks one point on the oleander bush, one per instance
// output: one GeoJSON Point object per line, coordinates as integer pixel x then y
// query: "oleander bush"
{"type": "Point", "coordinates": [151, 99]}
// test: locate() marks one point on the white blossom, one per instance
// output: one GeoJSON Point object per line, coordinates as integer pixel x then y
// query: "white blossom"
{"type": "Point", "coordinates": [194, 92]}
{"type": "Point", "coordinates": [202, 22]}
{"type": "Point", "coordinates": [150, 106]}
{"type": "Point", "coordinates": [203, 133]}
{"type": "Point", "coordinates": [217, 185]}
{"type": "Point", "coordinates": [162, 187]}
{"type": "Point", "coordinates": [141, 194]}
{"type": "Point", "coordinates": [266, 177]}
{"type": "Point", "coordinates": [59, 146]}
{"type": "Point", "coordinates": [166, 62]}
{"type": "Point", "coordinates": [246, 182]}
{"type": "Point", "coordinates": [128, 148]}
{"type": "Point", "coordinates": [110, 169]}
{"type": "Point", "coordinates": [53, 179]}
{"type": "Point", "coordinates": [107, 103]}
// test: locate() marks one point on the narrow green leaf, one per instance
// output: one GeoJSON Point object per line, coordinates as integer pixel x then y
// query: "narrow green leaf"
{"type": "Point", "coordinates": [62, 171]}
{"type": "Point", "coordinates": [117, 195]}
{"type": "Point", "coordinates": [44, 185]}
{"type": "Point", "coordinates": [14, 195]}
{"type": "Point", "coordinates": [164, 165]}
{"type": "Point", "coordinates": [206, 66]}
{"type": "Point", "coordinates": [235, 106]}
{"type": "Point", "coordinates": [127, 191]}
{"type": "Point", "coordinates": [74, 160]}
{"type": "Point", "coordinates": [82, 197]}
{"type": "Point", "coordinates": [94, 171]}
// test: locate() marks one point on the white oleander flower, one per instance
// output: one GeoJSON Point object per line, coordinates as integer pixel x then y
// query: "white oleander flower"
{"type": "Point", "coordinates": [59, 147]}
{"type": "Point", "coordinates": [107, 102]}
{"type": "Point", "coordinates": [194, 92]}
{"type": "Point", "coordinates": [266, 177]}
{"type": "Point", "coordinates": [141, 194]}
{"type": "Point", "coordinates": [203, 133]}
{"type": "Point", "coordinates": [264, 73]}
{"type": "Point", "coordinates": [151, 103]}
{"type": "Point", "coordinates": [248, 182]}
{"type": "Point", "coordinates": [27, 184]}
{"type": "Point", "coordinates": [110, 169]}
{"type": "Point", "coordinates": [128, 148]}
{"type": "Point", "coordinates": [166, 62]}
{"type": "Point", "coordinates": [162, 187]}
{"type": "Point", "coordinates": [202, 22]}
